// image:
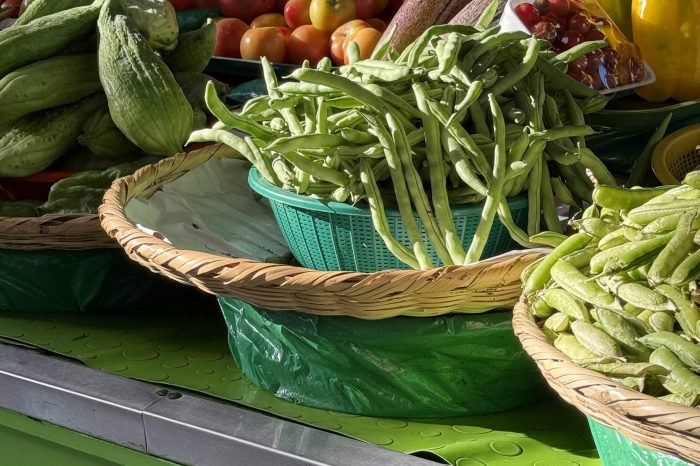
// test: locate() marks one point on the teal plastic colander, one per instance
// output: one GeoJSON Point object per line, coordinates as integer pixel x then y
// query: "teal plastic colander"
{"type": "Point", "coordinates": [338, 236]}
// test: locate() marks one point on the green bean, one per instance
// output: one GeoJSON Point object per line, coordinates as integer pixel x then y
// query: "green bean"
{"type": "Point", "coordinates": [495, 193]}
{"type": "Point", "coordinates": [317, 170]}
{"type": "Point", "coordinates": [534, 210]}
{"type": "Point", "coordinates": [286, 101]}
{"type": "Point", "coordinates": [541, 275]}
{"type": "Point", "coordinates": [559, 80]}
{"type": "Point", "coordinates": [596, 166]}
{"type": "Point", "coordinates": [340, 83]}
{"type": "Point", "coordinates": [353, 52]}
{"type": "Point", "coordinates": [471, 96]}
{"type": "Point", "coordinates": [645, 214]}
{"type": "Point", "coordinates": [516, 233]}
{"type": "Point", "coordinates": [309, 110]}
{"type": "Point", "coordinates": [616, 198]}
{"type": "Point", "coordinates": [641, 166]}
{"type": "Point", "coordinates": [595, 227]}
{"type": "Point", "coordinates": [507, 82]}
{"type": "Point", "coordinates": [672, 256]}
{"type": "Point", "coordinates": [415, 49]}
{"type": "Point", "coordinates": [623, 332]}
{"type": "Point", "coordinates": [540, 309]}
{"type": "Point", "coordinates": [459, 160]}
{"type": "Point", "coordinates": [680, 378]}
{"type": "Point", "coordinates": [321, 116]}
{"type": "Point", "coordinates": [687, 352]}
{"type": "Point", "coordinates": [382, 70]}
{"type": "Point", "coordinates": [627, 369]}
{"type": "Point", "coordinates": [449, 54]}
{"type": "Point", "coordinates": [515, 154]}
{"type": "Point", "coordinates": [563, 301]}
{"type": "Point", "coordinates": [357, 137]}
{"type": "Point", "coordinates": [576, 283]}
{"type": "Point", "coordinates": [236, 143]}
{"type": "Point", "coordinates": [402, 194]}
{"type": "Point", "coordinates": [628, 256]}
{"type": "Point", "coordinates": [578, 51]}
{"type": "Point", "coordinates": [593, 104]}
{"type": "Point", "coordinates": [580, 259]}
{"type": "Point", "coordinates": [479, 120]}
{"type": "Point", "coordinates": [462, 137]}
{"type": "Point", "coordinates": [662, 322]}
{"type": "Point", "coordinates": [306, 89]}
{"type": "Point", "coordinates": [549, 209]}
{"type": "Point", "coordinates": [255, 106]}
{"type": "Point", "coordinates": [596, 341]}
{"type": "Point", "coordinates": [219, 110]}
{"type": "Point", "coordinates": [305, 141]}
{"type": "Point", "coordinates": [613, 239]}
{"type": "Point", "coordinates": [688, 270]}
{"type": "Point", "coordinates": [437, 177]}
{"type": "Point", "coordinates": [393, 99]}
{"type": "Point", "coordinates": [579, 186]}
{"type": "Point", "coordinates": [532, 154]}
{"type": "Point", "coordinates": [552, 134]}
{"type": "Point", "coordinates": [490, 43]}
{"type": "Point", "coordinates": [381, 224]}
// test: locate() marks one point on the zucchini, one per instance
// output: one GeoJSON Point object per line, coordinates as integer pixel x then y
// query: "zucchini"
{"type": "Point", "coordinates": [53, 82]}
{"type": "Point", "coordinates": [45, 37]}
{"type": "Point", "coordinates": [37, 140]}
{"type": "Point", "coordinates": [145, 101]}
{"type": "Point", "coordinates": [194, 49]}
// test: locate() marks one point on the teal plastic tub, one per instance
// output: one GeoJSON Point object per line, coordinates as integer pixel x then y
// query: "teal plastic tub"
{"type": "Point", "coordinates": [616, 450]}
{"type": "Point", "coordinates": [339, 236]}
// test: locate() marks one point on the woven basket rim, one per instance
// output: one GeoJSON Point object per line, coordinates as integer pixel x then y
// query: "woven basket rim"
{"type": "Point", "coordinates": [649, 421]}
{"type": "Point", "coordinates": [54, 231]}
{"type": "Point", "coordinates": [283, 287]}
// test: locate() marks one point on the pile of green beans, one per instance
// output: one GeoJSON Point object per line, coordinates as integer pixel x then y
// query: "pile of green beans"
{"type": "Point", "coordinates": [461, 116]}
{"type": "Point", "coordinates": [620, 295]}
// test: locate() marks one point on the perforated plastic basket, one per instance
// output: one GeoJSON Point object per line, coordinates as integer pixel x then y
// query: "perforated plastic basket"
{"type": "Point", "coordinates": [677, 155]}
{"type": "Point", "coordinates": [337, 236]}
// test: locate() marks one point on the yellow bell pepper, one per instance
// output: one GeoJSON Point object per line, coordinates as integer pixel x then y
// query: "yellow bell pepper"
{"type": "Point", "coordinates": [668, 33]}
{"type": "Point", "coordinates": [620, 11]}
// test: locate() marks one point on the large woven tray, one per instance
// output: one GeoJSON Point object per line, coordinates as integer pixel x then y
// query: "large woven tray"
{"type": "Point", "coordinates": [384, 294]}
{"type": "Point", "coordinates": [55, 231]}
{"type": "Point", "coordinates": [645, 420]}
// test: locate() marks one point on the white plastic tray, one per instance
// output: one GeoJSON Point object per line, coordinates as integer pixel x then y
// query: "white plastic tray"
{"type": "Point", "coordinates": [510, 22]}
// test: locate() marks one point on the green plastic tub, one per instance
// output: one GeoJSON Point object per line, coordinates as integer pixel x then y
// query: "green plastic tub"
{"type": "Point", "coordinates": [616, 450]}
{"type": "Point", "coordinates": [339, 236]}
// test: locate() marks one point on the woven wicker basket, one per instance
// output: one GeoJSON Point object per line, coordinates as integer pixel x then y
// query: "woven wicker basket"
{"type": "Point", "coordinates": [55, 231]}
{"type": "Point", "coordinates": [377, 295]}
{"type": "Point", "coordinates": [645, 420]}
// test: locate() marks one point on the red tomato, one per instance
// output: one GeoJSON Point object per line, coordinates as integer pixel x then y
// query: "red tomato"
{"type": "Point", "coordinates": [528, 14]}
{"type": "Point", "coordinates": [329, 15]}
{"type": "Point", "coordinates": [246, 10]}
{"type": "Point", "coordinates": [228, 37]}
{"type": "Point", "coordinates": [366, 39]}
{"type": "Point", "coordinates": [377, 24]}
{"type": "Point", "coordinates": [340, 36]}
{"type": "Point", "coordinates": [364, 8]}
{"type": "Point", "coordinates": [560, 8]}
{"type": "Point", "coordinates": [296, 13]}
{"type": "Point", "coordinates": [266, 42]}
{"type": "Point", "coordinates": [269, 20]}
{"type": "Point", "coordinates": [286, 33]}
{"type": "Point", "coordinates": [279, 6]}
{"type": "Point", "coordinates": [308, 43]}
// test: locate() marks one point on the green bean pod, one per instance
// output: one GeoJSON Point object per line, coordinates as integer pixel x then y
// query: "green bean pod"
{"type": "Point", "coordinates": [576, 283]}
{"type": "Point", "coordinates": [595, 340]}
{"type": "Point", "coordinates": [680, 377]}
{"type": "Point", "coordinates": [674, 254]}
{"type": "Point", "coordinates": [563, 301]}
{"type": "Point", "coordinates": [687, 271]}
{"type": "Point", "coordinates": [571, 347]}
{"type": "Point", "coordinates": [623, 332]}
{"type": "Point", "coordinates": [686, 351]}
{"type": "Point", "coordinates": [541, 275]}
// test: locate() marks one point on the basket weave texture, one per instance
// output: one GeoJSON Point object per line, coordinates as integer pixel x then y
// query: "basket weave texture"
{"type": "Point", "coordinates": [643, 419]}
{"type": "Point", "coordinates": [378, 295]}
{"type": "Point", "coordinates": [54, 231]}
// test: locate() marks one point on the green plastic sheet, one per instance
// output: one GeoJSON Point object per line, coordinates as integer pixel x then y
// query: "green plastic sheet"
{"type": "Point", "coordinates": [453, 365]}
{"type": "Point", "coordinates": [73, 281]}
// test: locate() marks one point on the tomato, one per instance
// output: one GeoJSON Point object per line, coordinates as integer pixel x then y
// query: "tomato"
{"type": "Point", "coordinates": [308, 43]}
{"type": "Point", "coordinates": [377, 24]}
{"type": "Point", "coordinates": [269, 20]}
{"type": "Point", "coordinates": [340, 36]}
{"type": "Point", "coordinates": [380, 5]}
{"type": "Point", "coordinates": [560, 8]}
{"type": "Point", "coordinates": [246, 10]}
{"type": "Point", "coordinates": [528, 14]}
{"type": "Point", "coordinates": [266, 42]}
{"type": "Point", "coordinates": [286, 33]}
{"type": "Point", "coordinates": [296, 13]}
{"type": "Point", "coordinates": [180, 5]}
{"type": "Point", "coordinates": [279, 5]}
{"type": "Point", "coordinates": [228, 37]}
{"type": "Point", "coordinates": [364, 8]}
{"type": "Point", "coordinates": [544, 30]}
{"type": "Point", "coordinates": [328, 15]}
{"type": "Point", "coordinates": [367, 39]}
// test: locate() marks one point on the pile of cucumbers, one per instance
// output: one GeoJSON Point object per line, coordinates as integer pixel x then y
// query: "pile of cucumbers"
{"type": "Point", "coordinates": [619, 296]}
{"type": "Point", "coordinates": [97, 84]}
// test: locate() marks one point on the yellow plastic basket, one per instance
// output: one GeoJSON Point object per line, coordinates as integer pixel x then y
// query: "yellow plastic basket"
{"type": "Point", "coordinates": [677, 155]}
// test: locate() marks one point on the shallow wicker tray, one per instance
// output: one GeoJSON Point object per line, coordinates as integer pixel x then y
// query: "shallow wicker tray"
{"type": "Point", "coordinates": [54, 231]}
{"type": "Point", "coordinates": [281, 287]}
{"type": "Point", "coordinates": [645, 420]}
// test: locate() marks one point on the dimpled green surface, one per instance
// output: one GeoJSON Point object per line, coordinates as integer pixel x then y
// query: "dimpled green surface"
{"type": "Point", "coordinates": [189, 350]}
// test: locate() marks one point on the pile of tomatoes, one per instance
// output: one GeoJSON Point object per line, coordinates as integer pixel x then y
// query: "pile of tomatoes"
{"type": "Point", "coordinates": [291, 31]}
{"type": "Point", "coordinates": [567, 23]}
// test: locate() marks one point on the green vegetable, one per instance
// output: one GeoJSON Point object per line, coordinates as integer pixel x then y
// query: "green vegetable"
{"type": "Point", "coordinates": [18, 208]}
{"type": "Point", "coordinates": [144, 99]}
{"type": "Point", "coordinates": [34, 142]}
{"type": "Point", "coordinates": [156, 20]}
{"type": "Point", "coordinates": [40, 8]}
{"type": "Point", "coordinates": [103, 138]}
{"type": "Point", "coordinates": [194, 49]}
